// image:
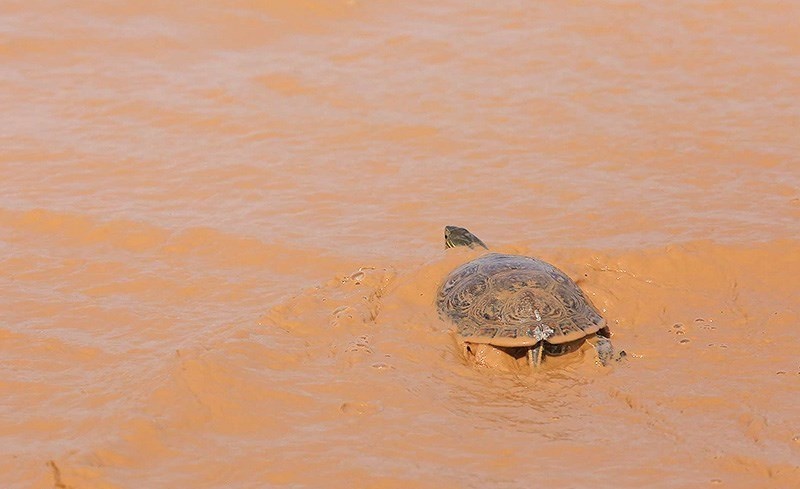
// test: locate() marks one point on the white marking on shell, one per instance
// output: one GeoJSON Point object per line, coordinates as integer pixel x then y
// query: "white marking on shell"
{"type": "Point", "coordinates": [540, 332]}
{"type": "Point", "coordinates": [538, 316]}
{"type": "Point", "coordinates": [544, 332]}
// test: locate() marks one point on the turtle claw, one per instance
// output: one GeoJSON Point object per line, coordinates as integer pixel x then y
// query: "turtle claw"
{"type": "Point", "coordinates": [603, 348]}
{"type": "Point", "coordinates": [535, 354]}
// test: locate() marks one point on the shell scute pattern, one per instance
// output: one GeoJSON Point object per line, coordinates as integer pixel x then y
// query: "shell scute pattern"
{"type": "Point", "coordinates": [511, 300]}
{"type": "Point", "coordinates": [509, 333]}
{"type": "Point", "coordinates": [488, 332]}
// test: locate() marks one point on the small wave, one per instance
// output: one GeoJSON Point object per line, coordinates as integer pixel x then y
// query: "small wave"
{"type": "Point", "coordinates": [77, 232]}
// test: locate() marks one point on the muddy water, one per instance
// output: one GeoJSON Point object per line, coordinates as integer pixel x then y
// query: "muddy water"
{"type": "Point", "coordinates": [221, 236]}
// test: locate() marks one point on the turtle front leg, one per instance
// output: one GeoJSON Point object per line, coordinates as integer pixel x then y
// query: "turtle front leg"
{"type": "Point", "coordinates": [535, 353]}
{"type": "Point", "coordinates": [603, 348]}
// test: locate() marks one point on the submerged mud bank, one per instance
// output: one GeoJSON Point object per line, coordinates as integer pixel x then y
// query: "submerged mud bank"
{"type": "Point", "coordinates": [359, 369]}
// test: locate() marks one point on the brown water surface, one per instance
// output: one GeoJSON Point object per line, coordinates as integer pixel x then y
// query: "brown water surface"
{"type": "Point", "coordinates": [221, 239]}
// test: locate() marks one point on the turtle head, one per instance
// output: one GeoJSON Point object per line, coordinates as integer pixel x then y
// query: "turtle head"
{"type": "Point", "coordinates": [456, 236]}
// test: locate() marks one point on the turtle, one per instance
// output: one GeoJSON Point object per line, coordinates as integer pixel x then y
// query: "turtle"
{"type": "Point", "coordinates": [518, 303]}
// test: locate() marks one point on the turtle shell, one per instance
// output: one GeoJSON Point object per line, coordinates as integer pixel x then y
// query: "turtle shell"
{"type": "Point", "coordinates": [512, 300]}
